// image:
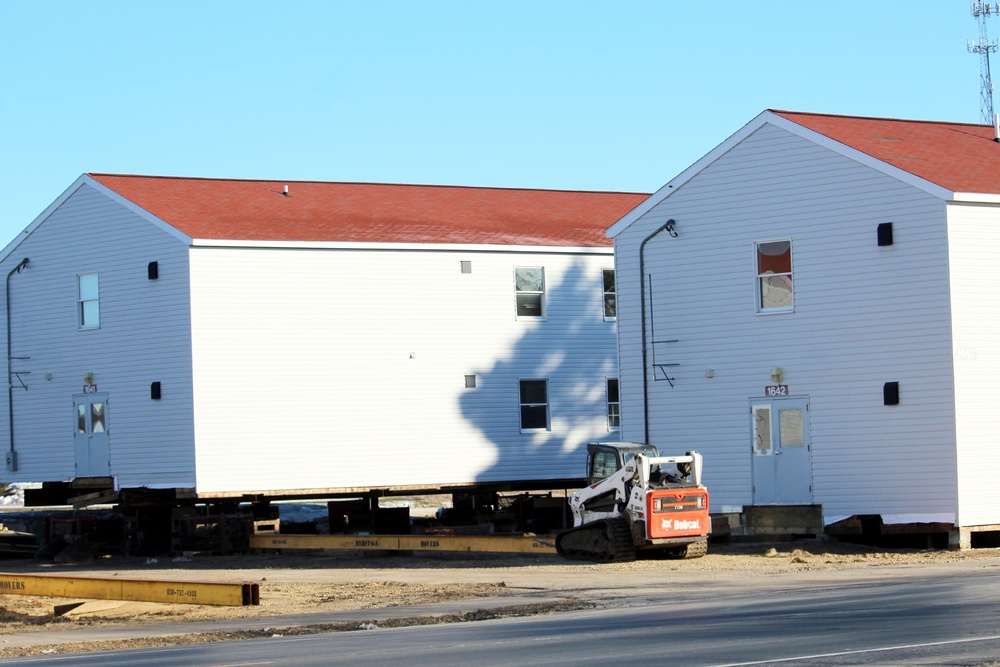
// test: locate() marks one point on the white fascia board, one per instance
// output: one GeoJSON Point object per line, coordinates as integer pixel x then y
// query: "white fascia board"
{"type": "Point", "coordinates": [138, 210]}
{"type": "Point", "coordinates": [974, 198]}
{"type": "Point", "coordinates": [442, 247]}
{"type": "Point", "coordinates": [675, 184]}
{"type": "Point", "coordinates": [859, 157]}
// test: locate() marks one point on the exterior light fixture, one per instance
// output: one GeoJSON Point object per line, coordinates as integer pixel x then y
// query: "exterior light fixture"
{"type": "Point", "coordinates": [777, 375]}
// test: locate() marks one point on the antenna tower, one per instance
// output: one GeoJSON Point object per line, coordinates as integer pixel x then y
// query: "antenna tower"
{"type": "Point", "coordinates": [982, 11]}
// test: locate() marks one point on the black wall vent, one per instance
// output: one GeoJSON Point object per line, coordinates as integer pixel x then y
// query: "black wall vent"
{"type": "Point", "coordinates": [154, 391]}
{"type": "Point", "coordinates": [885, 233]}
{"type": "Point", "coordinates": [153, 270]}
{"type": "Point", "coordinates": [890, 393]}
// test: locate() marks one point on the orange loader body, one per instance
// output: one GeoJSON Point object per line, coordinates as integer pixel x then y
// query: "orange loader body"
{"type": "Point", "coordinates": [677, 513]}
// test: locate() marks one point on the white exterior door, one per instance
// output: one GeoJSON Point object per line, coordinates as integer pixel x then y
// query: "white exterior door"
{"type": "Point", "coordinates": [93, 452]}
{"type": "Point", "coordinates": [782, 466]}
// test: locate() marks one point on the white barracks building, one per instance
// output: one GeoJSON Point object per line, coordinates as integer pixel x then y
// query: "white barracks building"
{"type": "Point", "coordinates": [814, 307]}
{"type": "Point", "coordinates": [239, 337]}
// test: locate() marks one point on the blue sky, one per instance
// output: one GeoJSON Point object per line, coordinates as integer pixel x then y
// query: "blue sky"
{"type": "Point", "coordinates": [568, 95]}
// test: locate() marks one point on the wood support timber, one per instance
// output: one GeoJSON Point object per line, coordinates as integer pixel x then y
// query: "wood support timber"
{"type": "Point", "coordinates": [136, 590]}
{"type": "Point", "coordinates": [97, 498]}
{"type": "Point", "coordinates": [478, 543]}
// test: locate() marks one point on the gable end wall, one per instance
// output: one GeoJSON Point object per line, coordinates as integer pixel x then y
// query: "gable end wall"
{"type": "Point", "coordinates": [143, 338]}
{"type": "Point", "coordinates": [864, 315]}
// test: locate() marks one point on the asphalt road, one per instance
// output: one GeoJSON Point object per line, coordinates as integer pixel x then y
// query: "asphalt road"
{"type": "Point", "coordinates": [938, 619]}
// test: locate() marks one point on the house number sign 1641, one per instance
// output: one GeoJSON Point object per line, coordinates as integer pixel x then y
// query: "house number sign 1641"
{"type": "Point", "coordinates": [776, 390]}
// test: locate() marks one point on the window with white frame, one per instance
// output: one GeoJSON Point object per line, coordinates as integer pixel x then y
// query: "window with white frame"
{"type": "Point", "coordinates": [610, 303]}
{"type": "Point", "coordinates": [774, 276]}
{"type": "Point", "coordinates": [614, 406]}
{"type": "Point", "coordinates": [88, 301]}
{"type": "Point", "coordinates": [534, 396]}
{"type": "Point", "coordinates": [529, 291]}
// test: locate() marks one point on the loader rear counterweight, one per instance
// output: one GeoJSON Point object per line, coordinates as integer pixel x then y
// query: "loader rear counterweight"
{"type": "Point", "coordinates": [638, 501]}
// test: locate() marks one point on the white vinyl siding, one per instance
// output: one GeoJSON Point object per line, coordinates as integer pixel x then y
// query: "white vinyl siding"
{"type": "Point", "coordinates": [302, 397]}
{"type": "Point", "coordinates": [974, 240]}
{"type": "Point", "coordinates": [864, 315]}
{"type": "Point", "coordinates": [143, 337]}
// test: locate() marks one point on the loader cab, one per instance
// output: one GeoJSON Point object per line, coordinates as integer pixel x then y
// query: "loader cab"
{"type": "Point", "coordinates": [606, 458]}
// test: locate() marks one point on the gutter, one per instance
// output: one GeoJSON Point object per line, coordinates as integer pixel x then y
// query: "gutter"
{"type": "Point", "coordinates": [667, 226]}
{"type": "Point", "coordinates": [12, 454]}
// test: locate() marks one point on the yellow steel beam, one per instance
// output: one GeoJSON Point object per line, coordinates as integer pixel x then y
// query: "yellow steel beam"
{"type": "Point", "coordinates": [484, 543]}
{"type": "Point", "coordinates": [187, 592]}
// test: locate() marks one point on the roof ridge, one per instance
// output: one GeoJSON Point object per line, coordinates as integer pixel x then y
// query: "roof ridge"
{"type": "Point", "coordinates": [785, 112]}
{"type": "Point", "coordinates": [370, 183]}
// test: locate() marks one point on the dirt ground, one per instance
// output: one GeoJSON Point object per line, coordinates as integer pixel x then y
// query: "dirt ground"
{"type": "Point", "coordinates": [306, 582]}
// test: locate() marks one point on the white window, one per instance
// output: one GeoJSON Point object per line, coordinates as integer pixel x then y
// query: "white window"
{"type": "Point", "coordinates": [88, 301]}
{"type": "Point", "coordinates": [774, 276]}
{"type": "Point", "coordinates": [529, 291]}
{"type": "Point", "coordinates": [614, 406]}
{"type": "Point", "coordinates": [610, 304]}
{"type": "Point", "coordinates": [534, 405]}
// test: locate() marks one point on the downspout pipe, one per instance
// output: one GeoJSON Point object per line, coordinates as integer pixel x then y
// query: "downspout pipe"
{"type": "Point", "coordinates": [667, 226]}
{"type": "Point", "coordinates": [12, 456]}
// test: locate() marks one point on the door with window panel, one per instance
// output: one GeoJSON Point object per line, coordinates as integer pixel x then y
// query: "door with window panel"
{"type": "Point", "coordinates": [782, 460]}
{"type": "Point", "coordinates": [92, 447]}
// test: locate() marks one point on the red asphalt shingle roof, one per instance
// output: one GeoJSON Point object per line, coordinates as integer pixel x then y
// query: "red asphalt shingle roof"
{"type": "Point", "coordinates": [246, 210]}
{"type": "Point", "coordinates": [956, 156]}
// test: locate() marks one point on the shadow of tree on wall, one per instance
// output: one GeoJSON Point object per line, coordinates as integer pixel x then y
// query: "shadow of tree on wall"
{"type": "Point", "coordinates": [575, 350]}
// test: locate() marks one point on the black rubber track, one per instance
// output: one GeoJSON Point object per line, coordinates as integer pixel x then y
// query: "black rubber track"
{"type": "Point", "coordinates": [605, 541]}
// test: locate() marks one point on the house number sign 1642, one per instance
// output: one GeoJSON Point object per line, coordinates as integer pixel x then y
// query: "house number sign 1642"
{"type": "Point", "coordinates": [776, 390]}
